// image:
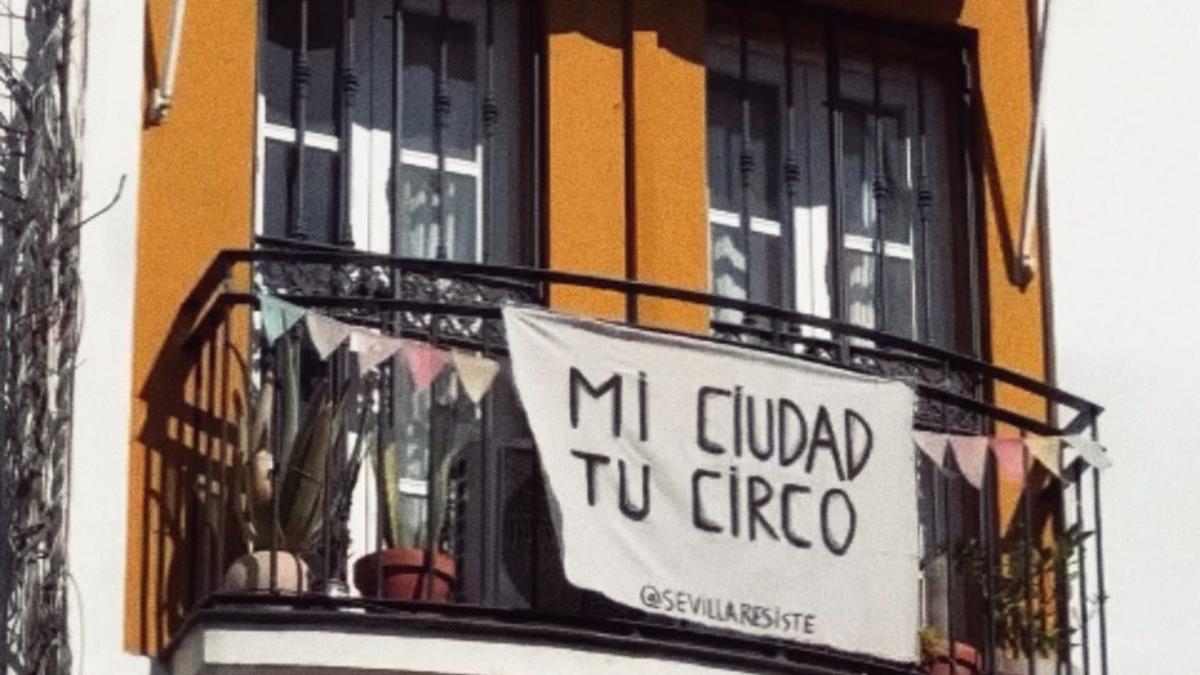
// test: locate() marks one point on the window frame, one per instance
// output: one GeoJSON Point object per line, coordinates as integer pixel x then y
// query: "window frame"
{"type": "Point", "coordinates": [515, 65]}
{"type": "Point", "coordinates": [963, 165]}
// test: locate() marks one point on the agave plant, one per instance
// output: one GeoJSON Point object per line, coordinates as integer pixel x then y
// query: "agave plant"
{"type": "Point", "coordinates": [444, 449]}
{"type": "Point", "coordinates": [307, 434]}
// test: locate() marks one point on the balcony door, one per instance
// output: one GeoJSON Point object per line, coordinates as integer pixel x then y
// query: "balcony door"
{"type": "Point", "coordinates": [838, 180]}
{"type": "Point", "coordinates": [396, 126]}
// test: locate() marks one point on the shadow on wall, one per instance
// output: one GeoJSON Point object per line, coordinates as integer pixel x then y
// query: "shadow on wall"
{"type": "Point", "coordinates": [601, 21]}
{"type": "Point", "coordinates": [194, 399]}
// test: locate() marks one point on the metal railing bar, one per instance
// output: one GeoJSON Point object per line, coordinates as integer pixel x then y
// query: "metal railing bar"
{"type": "Point", "coordinates": [1102, 600]}
{"type": "Point", "coordinates": [931, 391]}
{"type": "Point", "coordinates": [486, 272]}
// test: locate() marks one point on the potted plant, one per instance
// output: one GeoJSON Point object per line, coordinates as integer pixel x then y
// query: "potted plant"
{"type": "Point", "coordinates": [936, 657]}
{"type": "Point", "coordinates": [1027, 621]}
{"type": "Point", "coordinates": [413, 565]}
{"type": "Point", "coordinates": [282, 531]}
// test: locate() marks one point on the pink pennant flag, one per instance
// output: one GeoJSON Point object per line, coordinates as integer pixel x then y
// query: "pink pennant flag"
{"type": "Point", "coordinates": [932, 445]}
{"type": "Point", "coordinates": [372, 348]}
{"type": "Point", "coordinates": [970, 453]}
{"type": "Point", "coordinates": [1010, 460]}
{"type": "Point", "coordinates": [424, 362]}
{"type": "Point", "coordinates": [476, 373]}
{"type": "Point", "coordinates": [1047, 452]}
{"type": "Point", "coordinates": [325, 333]}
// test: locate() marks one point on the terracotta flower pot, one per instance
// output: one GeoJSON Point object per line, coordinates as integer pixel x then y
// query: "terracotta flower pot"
{"type": "Point", "coordinates": [1008, 665]}
{"type": "Point", "coordinates": [966, 661]}
{"type": "Point", "coordinates": [252, 572]}
{"type": "Point", "coordinates": [404, 576]}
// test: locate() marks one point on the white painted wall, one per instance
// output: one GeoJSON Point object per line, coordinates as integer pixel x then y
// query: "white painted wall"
{"type": "Point", "coordinates": [111, 126]}
{"type": "Point", "coordinates": [1124, 179]}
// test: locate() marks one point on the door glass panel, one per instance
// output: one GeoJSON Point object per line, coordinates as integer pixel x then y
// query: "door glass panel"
{"type": "Point", "coordinates": [856, 174]}
{"type": "Point", "coordinates": [860, 288]}
{"type": "Point", "coordinates": [421, 61]}
{"type": "Point", "coordinates": [278, 58]}
{"type": "Point", "coordinates": [897, 225]}
{"type": "Point", "coordinates": [724, 142]}
{"type": "Point", "coordinates": [276, 177]}
{"type": "Point", "coordinates": [319, 193]}
{"type": "Point", "coordinates": [419, 231]}
{"type": "Point", "coordinates": [320, 196]}
{"type": "Point", "coordinates": [898, 295]}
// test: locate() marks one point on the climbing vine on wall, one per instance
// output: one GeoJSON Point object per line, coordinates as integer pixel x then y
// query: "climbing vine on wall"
{"type": "Point", "coordinates": [39, 330]}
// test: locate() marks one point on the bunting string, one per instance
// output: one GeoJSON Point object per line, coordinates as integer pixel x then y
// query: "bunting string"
{"type": "Point", "coordinates": [423, 362]}
{"type": "Point", "coordinates": [1014, 456]}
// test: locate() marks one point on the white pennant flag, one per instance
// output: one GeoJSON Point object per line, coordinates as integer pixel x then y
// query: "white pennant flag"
{"type": "Point", "coordinates": [371, 348]}
{"type": "Point", "coordinates": [1092, 452]}
{"type": "Point", "coordinates": [932, 445]}
{"type": "Point", "coordinates": [325, 333]}
{"type": "Point", "coordinates": [970, 453]}
{"type": "Point", "coordinates": [476, 373]}
{"type": "Point", "coordinates": [1047, 451]}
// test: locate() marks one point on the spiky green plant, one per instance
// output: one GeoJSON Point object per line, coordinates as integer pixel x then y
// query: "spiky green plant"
{"type": "Point", "coordinates": [444, 450]}
{"type": "Point", "coordinates": [306, 435]}
{"type": "Point", "coordinates": [1026, 621]}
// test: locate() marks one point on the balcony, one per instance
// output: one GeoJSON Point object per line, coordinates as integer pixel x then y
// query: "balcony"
{"type": "Point", "coordinates": [506, 600]}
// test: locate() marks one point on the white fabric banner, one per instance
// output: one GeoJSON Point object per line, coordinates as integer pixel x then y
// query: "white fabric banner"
{"type": "Point", "coordinates": [734, 488]}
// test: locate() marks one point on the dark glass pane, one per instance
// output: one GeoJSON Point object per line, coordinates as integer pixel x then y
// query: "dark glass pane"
{"type": "Point", "coordinates": [421, 63]}
{"type": "Point", "coordinates": [324, 38]}
{"type": "Point", "coordinates": [725, 145]}
{"type": "Point", "coordinates": [897, 166]}
{"type": "Point", "coordinates": [277, 59]}
{"type": "Point", "coordinates": [419, 232]}
{"type": "Point", "coordinates": [724, 142]}
{"type": "Point", "coordinates": [320, 195]}
{"type": "Point", "coordinates": [279, 48]}
{"type": "Point", "coordinates": [275, 188]}
{"type": "Point", "coordinates": [460, 86]}
{"type": "Point", "coordinates": [898, 295]}
{"type": "Point", "coordinates": [855, 179]}
{"type": "Point", "coordinates": [510, 235]}
{"type": "Point", "coordinates": [766, 269]}
{"type": "Point", "coordinates": [765, 143]}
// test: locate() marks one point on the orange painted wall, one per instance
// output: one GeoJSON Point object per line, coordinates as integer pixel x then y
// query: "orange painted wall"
{"type": "Point", "coordinates": [1017, 320]}
{"type": "Point", "coordinates": [626, 137]}
{"type": "Point", "coordinates": [586, 148]}
{"type": "Point", "coordinates": [195, 199]}
{"type": "Point", "coordinates": [669, 156]}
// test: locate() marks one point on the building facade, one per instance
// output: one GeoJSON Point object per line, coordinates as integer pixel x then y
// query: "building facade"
{"type": "Point", "coordinates": [841, 181]}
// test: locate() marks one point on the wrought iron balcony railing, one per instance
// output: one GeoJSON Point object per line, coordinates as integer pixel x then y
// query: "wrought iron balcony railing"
{"type": "Point", "coordinates": [507, 577]}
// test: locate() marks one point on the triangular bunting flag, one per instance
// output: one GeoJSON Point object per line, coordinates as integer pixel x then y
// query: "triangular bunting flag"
{"type": "Point", "coordinates": [1092, 452]}
{"type": "Point", "coordinates": [424, 362]}
{"type": "Point", "coordinates": [932, 445]}
{"type": "Point", "coordinates": [476, 373]}
{"type": "Point", "coordinates": [1010, 460]}
{"type": "Point", "coordinates": [326, 334]}
{"type": "Point", "coordinates": [1047, 452]}
{"type": "Point", "coordinates": [278, 316]}
{"type": "Point", "coordinates": [970, 453]}
{"type": "Point", "coordinates": [372, 348]}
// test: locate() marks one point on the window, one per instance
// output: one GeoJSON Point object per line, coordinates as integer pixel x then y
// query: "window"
{"type": "Point", "coordinates": [396, 126]}
{"type": "Point", "coordinates": [838, 177]}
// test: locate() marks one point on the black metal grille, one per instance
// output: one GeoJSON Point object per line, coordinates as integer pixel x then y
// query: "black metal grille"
{"type": "Point", "coordinates": [828, 130]}
{"type": "Point", "coordinates": [449, 86]}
